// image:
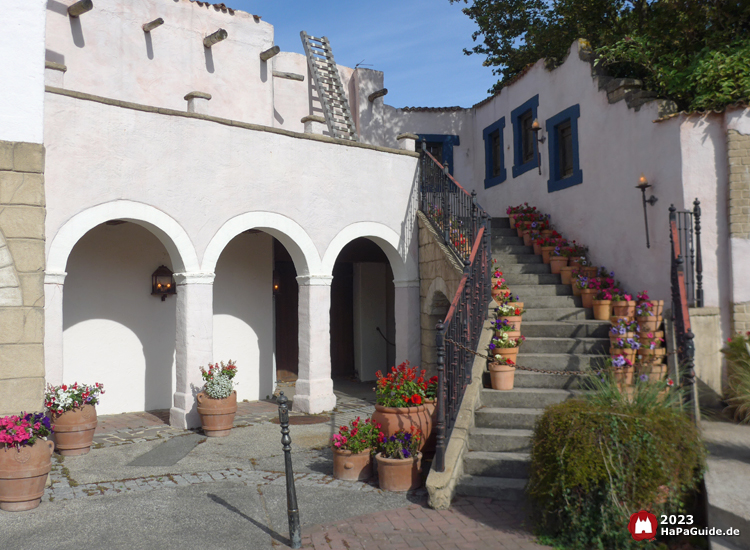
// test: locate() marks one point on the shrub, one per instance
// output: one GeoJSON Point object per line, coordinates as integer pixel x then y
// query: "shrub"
{"type": "Point", "coordinates": [737, 352]}
{"type": "Point", "coordinates": [596, 462]}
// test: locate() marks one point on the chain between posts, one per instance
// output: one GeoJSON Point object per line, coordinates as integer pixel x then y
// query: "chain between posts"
{"type": "Point", "coordinates": [530, 369]}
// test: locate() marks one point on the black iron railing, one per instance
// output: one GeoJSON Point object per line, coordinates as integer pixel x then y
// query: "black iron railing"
{"type": "Point", "coordinates": [680, 313]}
{"type": "Point", "coordinates": [465, 228]}
{"type": "Point", "coordinates": [689, 229]}
{"type": "Point", "coordinates": [452, 211]}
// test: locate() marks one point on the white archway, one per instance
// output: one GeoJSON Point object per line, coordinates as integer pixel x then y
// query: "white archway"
{"type": "Point", "coordinates": [294, 238]}
{"type": "Point", "coordinates": [382, 235]}
{"type": "Point", "coordinates": [164, 227]}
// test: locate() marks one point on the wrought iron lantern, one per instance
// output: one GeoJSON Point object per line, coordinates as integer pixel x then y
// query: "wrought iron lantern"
{"type": "Point", "coordinates": [536, 128]}
{"type": "Point", "coordinates": [643, 184]}
{"type": "Point", "coordinates": [162, 283]}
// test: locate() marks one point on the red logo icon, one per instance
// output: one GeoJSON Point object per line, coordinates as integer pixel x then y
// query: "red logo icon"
{"type": "Point", "coordinates": [643, 525]}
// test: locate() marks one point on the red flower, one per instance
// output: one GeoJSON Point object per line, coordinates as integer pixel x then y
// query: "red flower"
{"type": "Point", "coordinates": [416, 399]}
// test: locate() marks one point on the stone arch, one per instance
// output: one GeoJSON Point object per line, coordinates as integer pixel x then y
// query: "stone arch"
{"type": "Point", "coordinates": [164, 227]}
{"type": "Point", "coordinates": [294, 238]}
{"type": "Point", "coordinates": [385, 237]}
{"type": "Point", "coordinates": [10, 288]}
{"type": "Point", "coordinates": [438, 299]}
{"type": "Point", "coordinates": [435, 307]}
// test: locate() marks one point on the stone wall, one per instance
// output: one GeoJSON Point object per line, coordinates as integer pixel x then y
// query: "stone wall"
{"type": "Point", "coordinates": [705, 322]}
{"type": "Point", "coordinates": [738, 146]}
{"type": "Point", "coordinates": [439, 275]}
{"type": "Point", "coordinates": [22, 211]}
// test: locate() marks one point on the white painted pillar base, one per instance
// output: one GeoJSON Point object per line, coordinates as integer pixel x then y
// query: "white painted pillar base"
{"type": "Point", "coordinates": [53, 327]}
{"type": "Point", "coordinates": [314, 388]}
{"type": "Point", "coordinates": [194, 344]}
{"type": "Point", "coordinates": [408, 330]}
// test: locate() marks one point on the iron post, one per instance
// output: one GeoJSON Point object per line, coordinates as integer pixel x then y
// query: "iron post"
{"type": "Point", "coordinates": [440, 437]}
{"type": "Point", "coordinates": [699, 255]}
{"type": "Point", "coordinates": [291, 494]}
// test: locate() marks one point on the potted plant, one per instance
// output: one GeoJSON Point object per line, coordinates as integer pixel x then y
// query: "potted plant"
{"type": "Point", "coordinates": [399, 460]}
{"type": "Point", "coordinates": [656, 307]}
{"type": "Point", "coordinates": [623, 305]}
{"type": "Point", "coordinates": [352, 448]}
{"type": "Point", "coordinates": [602, 305]}
{"type": "Point", "coordinates": [622, 328]}
{"type": "Point", "coordinates": [505, 327]}
{"type": "Point", "coordinates": [399, 403]}
{"type": "Point", "coordinates": [622, 369]}
{"type": "Point", "coordinates": [502, 372]}
{"type": "Point", "coordinates": [217, 403]}
{"type": "Point", "coordinates": [498, 284]}
{"type": "Point", "coordinates": [506, 298]}
{"type": "Point", "coordinates": [510, 311]}
{"type": "Point", "coordinates": [25, 461]}
{"type": "Point", "coordinates": [647, 321]}
{"type": "Point", "coordinates": [72, 410]}
{"type": "Point", "coordinates": [626, 347]}
{"type": "Point", "coordinates": [506, 346]}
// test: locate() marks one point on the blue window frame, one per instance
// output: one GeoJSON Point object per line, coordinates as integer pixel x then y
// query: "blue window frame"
{"type": "Point", "coordinates": [562, 131]}
{"type": "Point", "coordinates": [447, 143]}
{"type": "Point", "coordinates": [494, 150]}
{"type": "Point", "coordinates": [525, 156]}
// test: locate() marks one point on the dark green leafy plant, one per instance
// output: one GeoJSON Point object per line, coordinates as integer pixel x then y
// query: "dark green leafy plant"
{"type": "Point", "coordinates": [737, 352]}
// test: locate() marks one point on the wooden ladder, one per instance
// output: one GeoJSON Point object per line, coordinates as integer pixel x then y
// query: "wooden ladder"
{"type": "Point", "coordinates": [330, 89]}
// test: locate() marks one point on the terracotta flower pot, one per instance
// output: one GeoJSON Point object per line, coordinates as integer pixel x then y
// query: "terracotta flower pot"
{"type": "Point", "coordinates": [623, 308]}
{"type": "Point", "coordinates": [648, 324]}
{"type": "Point", "coordinates": [537, 249]}
{"type": "Point", "coordinates": [352, 467]}
{"type": "Point", "coordinates": [74, 430]}
{"type": "Point", "coordinates": [399, 474]}
{"type": "Point", "coordinates": [546, 251]}
{"type": "Point", "coordinates": [514, 319]}
{"type": "Point", "coordinates": [512, 220]}
{"type": "Point", "coordinates": [514, 304]}
{"type": "Point", "coordinates": [602, 309]}
{"type": "Point", "coordinates": [217, 415]}
{"type": "Point", "coordinates": [23, 473]}
{"type": "Point", "coordinates": [393, 419]}
{"type": "Point", "coordinates": [628, 373]}
{"type": "Point", "coordinates": [660, 352]}
{"type": "Point", "coordinates": [658, 336]}
{"type": "Point", "coordinates": [657, 307]}
{"type": "Point", "coordinates": [589, 271]}
{"type": "Point", "coordinates": [430, 406]}
{"type": "Point", "coordinates": [508, 353]}
{"type": "Point", "coordinates": [510, 333]}
{"type": "Point", "coordinates": [566, 274]}
{"type": "Point", "coordinates": [614, 337]}
{"type": "Point", "coordinates": [576, 291]}
{"type": "Point", "coordinates": [527, 238]}
{"type": "Point", "coordinates": [556, 263]}
{"type": "Point", "coordinates": [654, 371]}
{"type": "Point", "coordinates": [625, 352]}
{"type": "Point", "coordinates": [587, 297]}
{"type": "Point", "coordinates": [501, 376]}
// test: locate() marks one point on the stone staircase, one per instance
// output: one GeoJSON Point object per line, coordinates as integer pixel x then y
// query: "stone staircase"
{"type": "Point", "coordinates": [560, 335]}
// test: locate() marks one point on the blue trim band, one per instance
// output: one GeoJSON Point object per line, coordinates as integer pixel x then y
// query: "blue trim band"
{"type": "Point", "coordinates": [448, 141]}
{"type": "Point", "coordinates": [518, 166]}
{"type": "Point", "coordinates": [489, 180]}
{"type": "Point", "coordinates": [555, 182]}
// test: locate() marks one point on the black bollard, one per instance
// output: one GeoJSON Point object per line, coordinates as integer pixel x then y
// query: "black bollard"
{"type": "Point", "coordinates": [291, 495]}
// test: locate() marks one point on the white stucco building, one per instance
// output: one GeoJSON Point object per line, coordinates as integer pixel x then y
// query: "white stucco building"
{"type": "Point", "coordinates": [158, 150]}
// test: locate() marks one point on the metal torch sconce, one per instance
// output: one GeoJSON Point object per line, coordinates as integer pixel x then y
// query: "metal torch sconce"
{"type": "Point", "coordinates": [536, 128]}
{"type": "Point", "coordinates": [643, 184]}
{"type": "Point", "coordinates": [162, 283]}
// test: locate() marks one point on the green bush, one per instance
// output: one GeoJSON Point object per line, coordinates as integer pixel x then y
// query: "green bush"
{"type": "Point", "coordinates": [737, 352]}
{"type": "Point", "coordinates": [596, 462]}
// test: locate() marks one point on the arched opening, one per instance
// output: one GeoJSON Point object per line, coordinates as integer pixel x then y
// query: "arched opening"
{"type": "Point", "coordinates": [363, 328]}
{"type": "Point", "coordinates": [286, 314]}
{"type": "Point", "coordinates": [114, 330]}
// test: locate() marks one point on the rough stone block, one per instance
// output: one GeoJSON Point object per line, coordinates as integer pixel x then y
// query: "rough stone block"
{"type": "Point", "coordinates": [8, 277]}
{"type": "Point", "coordinates": [10, 296]}
{"type": "Point", "coordinates": [20, 325]}
{"type": "Point", "coordinates": [21, 361]}
{"type": "Point", "coordinates": [20, 188]}
{"type": "Point", "coordinates": [21, 394]}
{"type": "Point", "coordinates": [32, 288]}
{"type": "Point", "coordinates": [28, 254]}
{"type": "Point", "coordinates": [26, 222]}
{"type": "Point", "coordinates": [5, 258]}
{"type": "Point", "coordinates": [28, 157]}
{"type": "Point", "coordinates": [6, 155]}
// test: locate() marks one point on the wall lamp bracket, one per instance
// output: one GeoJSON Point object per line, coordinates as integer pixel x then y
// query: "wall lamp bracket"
{"type": "Point", "coordinates": [536, 128]}
{"type": "Point", "coordinates": [643, 184]}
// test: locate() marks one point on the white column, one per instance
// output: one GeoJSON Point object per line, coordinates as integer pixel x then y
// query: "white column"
{"type": "Point", "coordinates": [194, 345]}
{"type": "Point", "coordinates": [407, 313]}
{"type": "Point", "coordinates": [53, 327]}
{"type": "Point", "coordinates": [314, 388]}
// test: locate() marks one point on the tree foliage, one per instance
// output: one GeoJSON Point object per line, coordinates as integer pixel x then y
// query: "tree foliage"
{"type": "Point", "coordinates": [696, 52]}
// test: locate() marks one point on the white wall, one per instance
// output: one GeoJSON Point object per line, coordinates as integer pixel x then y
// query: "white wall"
{"type": "Point", "coordinates": [243, 313]}
{"type": "Point", "coordinates": [22, 70]}
{"type": "Point", "coordinates": [115, 331]}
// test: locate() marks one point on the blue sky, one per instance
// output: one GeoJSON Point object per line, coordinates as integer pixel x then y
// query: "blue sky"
{"type": "Point", "coordinates": [418, 44]}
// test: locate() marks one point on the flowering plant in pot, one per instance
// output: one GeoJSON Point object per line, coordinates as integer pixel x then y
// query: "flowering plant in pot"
{"type": "Point", "coordinates": [399, 400]}
{"type": "Point", "coordinates": [622, 368]}
{"type": "Point", "coordinates": [72, 410]}
{"type": "Point", "coordinates": [602, 304]}
{"type": "Point", "coordinates": [353, 446]}
{"type": "Point", "coordinates": [647, 321]}
{"type": "Point", "coordinates": [622, 329]}
{"type": "Point", "coordinates": [502, 372]}
{"type": "Point", "coordinates": [217, 403]}
{"type": "Point", "coordinates": [514, 212]}
{"type": "Point", "coordinates": [505, 327]}
{"type": "Point", "coordinates": [24, 460]}
{"type": "Point", "coordinates": [623, 305]}
{"type": "Point", "coordinates": [511, 312]}
{"type": "Point", "coordinates": [624, 346]}
{"type": "Point", "coordinates": [655, 307]}
{"type": "Point", "coordinates": [399, 460]}
{"type": "Point", "coordinates": [557, 259]}
{"type": "Point", "coordinates": [505, 346]}
{"type": "Point", "coordinates": [498, 283]}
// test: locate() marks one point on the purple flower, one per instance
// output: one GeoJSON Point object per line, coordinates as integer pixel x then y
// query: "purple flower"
{"type": "Point", "coordinates": [614, 330]}
{"type": "Point", "coordinates": [630, 341]}
{"type": "Point", "coordinates": [533, 224]}
{"type": "Point", "coordinates": [618, 361]}
{"type": "Point", "coordinates": [406, 453]}
{"type": "Point", "coordinates": [492, 346]}
{"type": "Point", "coordinates": [623, 330]}
{"type": "Point", "coordinates": [644, 377]}
{"type": "Point", "coordinates": [653, 345]}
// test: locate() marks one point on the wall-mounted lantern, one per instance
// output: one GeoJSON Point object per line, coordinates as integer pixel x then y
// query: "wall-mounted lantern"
{"type": "Point", "coordinates": [162, 282]}
{"type": "Point", "coordinates": [643, 184]}
{"type": "Point", "coordinates": [276, 282]}
{"type": "Point", "coordinates": [536, 128]}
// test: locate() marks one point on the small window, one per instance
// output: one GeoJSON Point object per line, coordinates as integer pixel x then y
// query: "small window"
{"type": "Point", "coordinates": [497, 153]}
{"type": "Point", "coordinates": [527, 137]}
{"type": "Point", "coordinates": [494, 162]}
{"type": "Point", "coordinates": [441, 147]}
{"type": "Point", "coordinates": [565, 142]}
{"type": "Point", "coordinates": [565, 169]}
{"type": "Point", "coordinates": [525, 156]}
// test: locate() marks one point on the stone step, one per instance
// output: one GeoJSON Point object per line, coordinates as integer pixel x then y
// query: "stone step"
{"type": "Point", "coordinates": [526, 379]}
{"type": "Point", "coordinates": [525, 268]}
{"type": "Point", "coordinates": [506, 239]}
{"type": "Point", "coordinates": [506, 418]}
{"type": "Point", "coordinates": [482, 463]}
{"type": "Point", "coordinates": [559, 361]}
{"type": "Point", "coordinates": [543, 302]}
{"type": "Point", "coordinates": [500, 248]}
{"type": "Point", "coordinates": [514, 279]}
{"type": "Point", "coordinates": [511, 259]}
{"type": "Point", "coordinates": [497, 488]}
{"type": "Point", "coordinates": [556, 314]}
{"type": "Point", "coordinates": [500, 223]}
{"type": "Point", "coordinates": [497, 440]}
{"type": "Point", "coordinates": [503, 232]}
{"type": "Point", "coordinates": [565, 345]}
{"type": "Point", "coordinates": [527, 291]}
{"type": "Point", "coordinates": [565, 329]}
{"type": "Point", "coordinates": [524, 398]}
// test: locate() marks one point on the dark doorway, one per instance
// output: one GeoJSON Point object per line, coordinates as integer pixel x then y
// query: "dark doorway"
{"type": "Point", "coordinates": [286, 306]}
